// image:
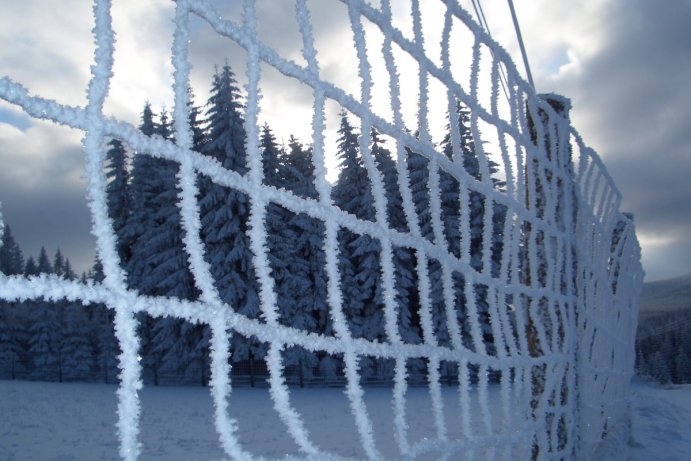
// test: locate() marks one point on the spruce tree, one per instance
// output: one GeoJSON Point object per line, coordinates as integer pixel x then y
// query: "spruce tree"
{"type": "Point", "coordinates": [30, 268]}
{"type": "Point", "coordinates": [12, 330]}
{"type": "Point", "coordinates": [272, 157]}
{"type": "Point", "coordinates": [404, 259]}
{"type": "Point", "coordinates": [160, 245]}
{"type": "Point", "coordinates": [359, 253]}
{"type": "Point", "coordinates": [308, 267]}
{"type": "Point", "coordinates": [11, 347]}
{"type": "Point", "coordinates": [105, 344]}
{"type": "Point", "coordinates": [298, 170]}
{"type": "Point", "coordinates": [157, 263]}
{"type": "Point", "coordinates": [143, 186]}
{"type": "Point", "coordinates": [103, 341]}
{"type": "Point", "coordinates": [165, 256]}
{"type": "Point", "coordinates": [44, 266]}
{"type": "Point", "coordinates": [59, 264]}
{"type": "Point", "coordinates": [11, 258]}
{"type": "Point", "coordinates": [45, 342]}
{"type": "Point", "coordinates": [77, 352]}
{"type": "Point", "coordinates": [225, 211]}
{"type": "Point", "coordinates": [419, 177]}
{"type": "Point", "coordinates": [196, 124]}
{"type": "Point", "coordinates": [296, 255]}
{"type": "Point", "coordinates": [196, 361]}
{"type": "Point", "coordinates": [67, 271]}
{"type": "Point", "coordinates": [479, 206]}
{"type": "Point", "coordinates": [118, 194]}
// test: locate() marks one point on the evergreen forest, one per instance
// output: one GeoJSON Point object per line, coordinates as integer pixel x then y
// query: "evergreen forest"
{"type": "Point", "coordinates": [63, 341]}
{"type": "Point", "coordinates": [663, 347]}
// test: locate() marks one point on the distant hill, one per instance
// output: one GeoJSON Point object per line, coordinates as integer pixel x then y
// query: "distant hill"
{"type": "Point", "coordinates": [665, 296]}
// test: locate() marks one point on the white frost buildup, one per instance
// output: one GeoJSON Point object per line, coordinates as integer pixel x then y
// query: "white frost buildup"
{"type": "Point", "coordinates": [440, 263]}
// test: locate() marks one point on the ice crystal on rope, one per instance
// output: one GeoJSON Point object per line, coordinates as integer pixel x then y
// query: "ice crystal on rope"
{"type": "Point", "coordinates": [556, 292]}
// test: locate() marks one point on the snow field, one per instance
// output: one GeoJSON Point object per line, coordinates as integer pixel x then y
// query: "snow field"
{"type": "Point", "coordinates": [75, 422]}
{"type": "Point", "coordinates": [661, 423]}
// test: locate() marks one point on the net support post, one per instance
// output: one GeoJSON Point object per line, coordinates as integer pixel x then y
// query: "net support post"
{"type": "Point", "coordinates": [550, 195]}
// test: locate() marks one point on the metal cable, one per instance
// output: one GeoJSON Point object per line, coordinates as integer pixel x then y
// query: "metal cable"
{"type": "Point", "coordinates": [521, 44]}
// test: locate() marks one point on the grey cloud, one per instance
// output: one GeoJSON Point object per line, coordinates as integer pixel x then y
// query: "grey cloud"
{"type": "Point", "coordinates": [48, 214]}
{"type": "Point", "coordinates": [667, 261]}
{"type": "Point", "coordinates": [50, 49]}
{"type": "Point", "coordinates": [42, 192]}
{"type": "Point", "coordinates": [54, 219]}
{"type": "Point", "coordinates": [632, 100]}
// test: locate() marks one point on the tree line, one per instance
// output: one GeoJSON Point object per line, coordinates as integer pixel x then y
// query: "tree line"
{"type": "Point", "coordinates": [663, 347]}
{"type": "Point", "coordinates": [52, 341]}
{"type": "Point", "coordinates": [142, 195]}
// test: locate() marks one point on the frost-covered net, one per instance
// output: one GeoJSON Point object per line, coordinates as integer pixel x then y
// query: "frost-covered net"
{"type": "Point", "coordinates": [539, 291]}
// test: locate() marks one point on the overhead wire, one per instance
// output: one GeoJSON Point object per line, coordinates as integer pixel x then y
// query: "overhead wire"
{"type": "Point", "coordinates": [479, 12]}
{"type": "Point", "coordinates": [519, 36]}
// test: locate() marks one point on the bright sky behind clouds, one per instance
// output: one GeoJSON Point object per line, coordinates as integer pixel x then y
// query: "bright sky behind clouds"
{"type": "Point", "coordinates": [623, 63]}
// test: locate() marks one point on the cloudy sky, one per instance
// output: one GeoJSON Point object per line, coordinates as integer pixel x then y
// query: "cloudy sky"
{"type": "Point", "coordinates": [624, 64]}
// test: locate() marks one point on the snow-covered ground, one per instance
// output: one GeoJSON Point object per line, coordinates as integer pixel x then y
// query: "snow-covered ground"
{"type": "Point", "coordinates": [45, 421]}
{"type": "Point", "coordinates": [661, 422]}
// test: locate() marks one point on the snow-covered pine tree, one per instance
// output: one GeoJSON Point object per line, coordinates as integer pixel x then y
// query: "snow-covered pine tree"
{"type": "Point", "coordinates": [76, 354]}
{"type": "Point", "coordinates": [479, 205]}
{"type": "Point", "coordinates": [157, 264]}
{"type": "Point", "coordinates": [43, 265]}
{"type": "Point", "coordinates": [276, 224]}
{"type": "Point", "coordinates": [118, 193]}
{"type": "Point", "coordinates": [295, 244]}
{"type": "Point", "coordinates": [77, 351]}
{"type": "Point", "coordinates": [161, 244]}
{"type": "Point", "coordinates": [419, 177]}
{"type": "Point", "coordinates": [11, 347]}
{"type": "Point", "coordinates": [45, 341]}
{"type": "Point", "coordinates": [404, 258]}
{"type": "Point", "coordinates": [298, 170]}
{"type": "Point", "coordinates": [166, 261]}
{"type": "Point", "coordinates": [272, 157]}
{"type": "Point", "coordinates": [61, 266]}
{"type": "Point", "coordinates": [308, 242]}
{"type": "Point", "coordinates": [103, 341]}
{"type": "Point", "coordinates": [11, 257]}
{"type": "Point", "coordinates": [359, 254]}
{"type": "Point", "coordinates": [196, 123]}
{"type": "Point", "coordinates": [12, 331]}
{"type": "Point", "coordinates": [683, 356]}
{"type": "Point", "coordinates": [30, 267]}
{"type": "Point", "coordinates": [143, 190]}
{"type": "Point", "coordinates": [225, 211]}
{"type": "Point", "coordinates": [104, 344]}
{"type": "Point", "coordinates": [196, 361]}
